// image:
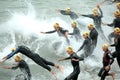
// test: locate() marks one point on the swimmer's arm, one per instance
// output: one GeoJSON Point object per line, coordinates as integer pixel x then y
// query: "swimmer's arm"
{"type": "Point", "coordinates": [74, 32]}
{"type": "Point", "coordinates": [112, 45]}
{"type": "Point", "coordinates": [10, 55]}
{"type": "Point", "coordinates": [112, 24]}
{"type": "Point", "coordinates": [89, 15]}
{"type": "Point", "coordinates": [81, 59]}
{"type": "Point", "coordinates": [50, 32]}
{"type": "Point", "coordinates": [111, 58]}
{"type": "Point", "coordinates": [82, 46]}
{"type": "Point", "coordinates": [64, 59]}
{"type": "Point", "coordinates": [14, 67]}
{"type": "Point", "coordinates": [100, 11]}
{"type": "Point", "coordinates": [71, 33]}
{"type": "Point", "coordinates": [63, 12]}
{"type": "Point", "coordinates": [9, 67]}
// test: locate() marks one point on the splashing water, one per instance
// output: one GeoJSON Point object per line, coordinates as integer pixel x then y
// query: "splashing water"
{"type": "Point", "coordinates": [24, 29]}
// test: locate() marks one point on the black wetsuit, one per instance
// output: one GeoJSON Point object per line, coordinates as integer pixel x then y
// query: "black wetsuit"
{"type": "Point", "coordinates": [72, 15]}
{"type": "Point", "coordinates": [76, 33]}
{"type": "Point", "coordinates": [87, 48]}
{"type": "Point", "coordinates": [61, 32]}
{"type": "Point", "coordinates": [76, 68]}
{"type": "Point", "coordinates": [35, 57]}
{"type": "Point", "coordinates": [94, 36]}
{"type": "Point", "coordinates": [115, 23]}
{"type": "Point", "coordinates": [116, 44]}
{"type": "Point", "coordinates": [107, 61]}
{"type": "Point", "coordinates": [24, 68]}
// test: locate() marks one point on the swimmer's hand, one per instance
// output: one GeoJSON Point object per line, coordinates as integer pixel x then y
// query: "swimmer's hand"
{"type": "Point", "coordinates": [42, 32]}
{"type": "Point", "coordinates": [4, 59]}
{"type": "Point", "coordinates": [54, 74]}
{"type": "Point", "coordinates": [6, 67]}
{"type": "Point", "coordinates": [61, 60]}
{"type": "Point", "coordinates": [57, 10]}
{"type": "Point", "coordinates": [105, 24]}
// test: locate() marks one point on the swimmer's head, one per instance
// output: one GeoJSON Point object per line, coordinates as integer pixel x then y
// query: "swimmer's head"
{"type": "Point", "coordinates": [17, 58]}
{"type": "Point", "coordinates": [13, 49]}
{"type": "Point", "coordinates": [68, 10]}
{"type": "Point", "coordinates": [90, 26]}
{"type": "Point", "coordinates": [56, 26]}
{"type": "Point", "coordinates": [95, 11]}
{"type": "Point", "coordinates": [85, 34]}
{"type": "Point", "coordinates": [74, 24]}
{"type": "Point", "coordinates": [118, 5]}
{"type": "Point", "coordinates": [105, 47]}
{"type": "Point", "coordinates": [69, 50]}
{"type": "Point", "coordinates": [117, 13]}
{"type": "Point", "coordinates": [117, 31]}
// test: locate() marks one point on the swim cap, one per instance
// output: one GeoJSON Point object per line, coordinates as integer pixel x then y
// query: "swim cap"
{"type": "Point", "coordinates": [117, 13]}
{"type": "Point", "coordinates": [90, 25]}
{"type": "Point", "coordinates": [86, 34]}
{"type": "Point", "coordinates": [69, 48]}
{"type": "Point", "coordinates": [105, 46]}
{"type": "Point", "coordinates": [13, 49]}
{"type": "Point", "coordinates": [68, 9]}
{"type": "Point", "coordinates": [17, 57]}
{"type": "Point", "coordinates": [118, 4]}
{"type": "Point", "coordinates": [56, 25]}
{"type": "Point", "coordinates": [117, 30]}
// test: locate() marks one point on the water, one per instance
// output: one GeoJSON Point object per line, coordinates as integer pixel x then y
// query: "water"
{"type": "Point", "coordinates": [21, 23]}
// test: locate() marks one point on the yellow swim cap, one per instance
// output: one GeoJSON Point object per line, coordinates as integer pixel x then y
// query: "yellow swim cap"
{"type": "Point", "coordinates": [73, 24]}
{"type": "Point", "coordinates": [69, 48]}
{"type": "Point", "coordinates": [95, 9]}
{"type": "Point", "coordinates": [105, 46]}
{"type": "Point", "coordinates": [68, 9]}
{"type": "Point", "coordinates": [17, 58]}
{"type": "Point", "coordinates": [118, 4]}
{"type": "Point", "coordinates": [90, 25]}
{"type": "Point", "coordinates": [86, 34]}
{"type": "Point", "coordinates": [13, 49]}
{"type": "Point", "coordinates": [117, 13]}
{"type": "Point", "coordinates": [117, 30]}
{"type": "Point", "coordinates": [56, 25]}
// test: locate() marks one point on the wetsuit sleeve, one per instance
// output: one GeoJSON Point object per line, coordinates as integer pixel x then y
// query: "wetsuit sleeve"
{"type": "Point", "coordinates": [71, 33]}
{"type": "Point", "coordinates": [74, 32]}
{"type": "Point", "coordinates": [77, 57]}
{"type": "Point", "coordinates": [15, 67]}
{"type": "Point", "coordinates": [12, 53]}
{"type": "Point", "coordinates": [84, 43]}
{"type": "Point", "coordinates": [100, 12]}
{"type": "Point", "coordinates": [81, 59]}
{"type": "Point", "coordinates": [112, 24]}
{"type": "Point", "coordinates": [111, 58]}
{"type": "Point", "coordinates": [63, 12]}
{"type": "Point", "coordinates": [50, 32]}
{"type": "Point", "coordinates": [90, 15]}
{"type": "Point", "coordinates": [114, 44]}
{"type": "Point", "coordinates": [67, 58]}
